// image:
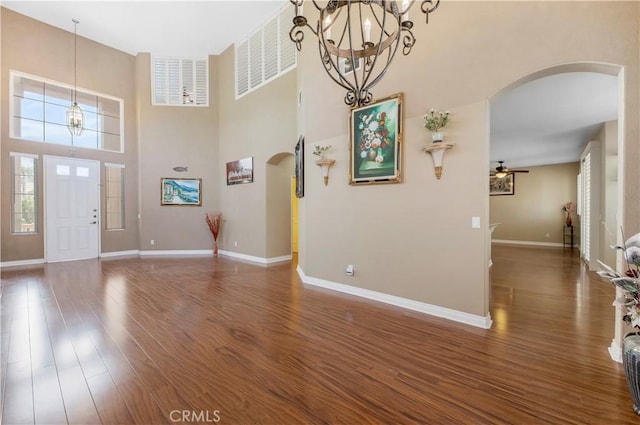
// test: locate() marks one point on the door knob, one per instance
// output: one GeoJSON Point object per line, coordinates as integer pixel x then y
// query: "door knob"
{"type": "Point", "coordinates": [93, 222]}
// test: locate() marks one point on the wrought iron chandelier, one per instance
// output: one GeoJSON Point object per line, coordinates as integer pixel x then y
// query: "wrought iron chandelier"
{"type": "Point", "coordinates": [358, 39]}
{"type": "Point", "coordinates": [75, 117]}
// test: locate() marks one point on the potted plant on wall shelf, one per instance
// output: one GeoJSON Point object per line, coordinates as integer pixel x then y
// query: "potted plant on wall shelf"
{"type": "Point", "coordinates": [435, 121]}
{"type": "Point", "coordinates": [322, 162]}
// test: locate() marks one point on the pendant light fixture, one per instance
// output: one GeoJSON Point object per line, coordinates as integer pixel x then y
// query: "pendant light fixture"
{"type": "Point", "coordinates": [75, 117]}
{"type": "Point", "coordinates": [358, 39]}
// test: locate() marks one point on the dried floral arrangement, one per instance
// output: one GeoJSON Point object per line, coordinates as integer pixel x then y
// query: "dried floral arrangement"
{"type": "Point", "coordinates": [214, 222]}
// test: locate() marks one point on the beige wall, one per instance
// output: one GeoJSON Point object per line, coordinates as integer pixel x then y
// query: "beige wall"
{"type": "Point", "coordinates": [38, 49]}
{"type": "Point", "coordinates": [176, 136]}
{"type": "Point", "coordinates": [410, 239]}
{"type": "Point", "coordinates": [261, 124]}
{"type": "Point", "coordinates": [405, 239]}
{"type": "Point", "coordinates": [535, 209]}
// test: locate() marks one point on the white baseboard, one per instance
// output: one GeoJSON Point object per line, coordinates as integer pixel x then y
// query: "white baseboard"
{"type": "Point", "coordinates": [530, 243]}
{"type": "Point", "coordinates": [433, 310]}
{"type": "Point", "coordinates": [158, 253]}
{"type": "Point", "coordinates": [254, 259]}
{"type": "Point", "coordinates": [176, 252]}
{"type": "Point", "coordinates": [119, 253]}
{"type": "Point", "coordinates": [281, 259]}
{"type": "Point", "coordinates": [22, 262]}
{"type": "Point", "coordinates": [615, 352]}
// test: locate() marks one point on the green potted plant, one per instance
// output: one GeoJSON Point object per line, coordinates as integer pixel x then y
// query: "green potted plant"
{"type": "Point", "coordinates": [434, 121]}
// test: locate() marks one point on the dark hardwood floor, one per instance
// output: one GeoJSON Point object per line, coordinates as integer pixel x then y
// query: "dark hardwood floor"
{"type": "Point", "coordinates": [202, 340]}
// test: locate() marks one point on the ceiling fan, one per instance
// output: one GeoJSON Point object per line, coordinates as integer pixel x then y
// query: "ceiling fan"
{"type": "Point", "coordinates": [502, 170]}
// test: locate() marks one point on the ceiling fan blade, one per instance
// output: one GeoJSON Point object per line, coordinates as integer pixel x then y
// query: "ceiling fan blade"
{"type": "Point", "coordinates": [503, 169]}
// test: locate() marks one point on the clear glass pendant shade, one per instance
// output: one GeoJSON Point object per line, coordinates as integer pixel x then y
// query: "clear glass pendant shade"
{"type": "Point", "coordinates": [75, 119]}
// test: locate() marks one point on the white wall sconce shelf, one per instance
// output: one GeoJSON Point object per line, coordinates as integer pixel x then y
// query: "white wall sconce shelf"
{"type": "Point", "coordinates": [325, 164]}
{"type": "Point", "coordinates": [437, 150]}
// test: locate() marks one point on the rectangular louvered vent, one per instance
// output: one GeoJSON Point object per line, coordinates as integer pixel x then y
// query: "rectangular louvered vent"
{"type": "Point", "coordinates": [270, 34]}
{"type": "Point", "coordinates": [266, 54]}
{"type": "Point", "coordinates": [180, 81]}
{"type": "Point", "coordinates": [242, 69]}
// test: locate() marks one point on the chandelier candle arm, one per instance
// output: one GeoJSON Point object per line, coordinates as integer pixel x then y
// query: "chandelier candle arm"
{"type": "Point", "coordinates": [366, 36]}
{"type": "Point", "coordinates": [428, 7]}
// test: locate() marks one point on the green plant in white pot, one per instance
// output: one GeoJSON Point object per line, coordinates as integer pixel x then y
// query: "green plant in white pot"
{"type": "Point", "coordinates": [434, 121]}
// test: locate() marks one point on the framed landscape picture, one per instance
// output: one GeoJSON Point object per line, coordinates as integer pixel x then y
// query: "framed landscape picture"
{"type": "Point", "coordinates": [240, 171]}
{"type": "Point", "coordinates": [376, 142]}
{"type": "Point", "coordinates": [181, 192]}
{"type": "Point", "coordinates": [502, 186]}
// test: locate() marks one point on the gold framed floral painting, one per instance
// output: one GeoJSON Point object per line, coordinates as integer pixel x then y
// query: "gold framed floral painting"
{"type": "Point", "coordinates": [376, 142]}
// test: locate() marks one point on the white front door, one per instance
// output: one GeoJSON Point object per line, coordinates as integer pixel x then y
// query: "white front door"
{"type": "Point", "coordinates": [71, 208]}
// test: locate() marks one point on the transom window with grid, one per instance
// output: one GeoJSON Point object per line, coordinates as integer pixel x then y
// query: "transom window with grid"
{"type": "Point", "coordinates": [38, 113]}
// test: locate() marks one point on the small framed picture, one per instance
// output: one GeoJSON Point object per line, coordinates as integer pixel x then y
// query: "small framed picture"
{"type": "Point", "coordinates": [502, 186]}
{"type": "Point", "coordinates": [240, 171]}
{"type": "Point", "coordinates": [180, 192]}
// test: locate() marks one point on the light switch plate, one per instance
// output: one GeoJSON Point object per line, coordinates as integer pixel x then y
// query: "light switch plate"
{"type": "Point", "coordinates": [475, 222]}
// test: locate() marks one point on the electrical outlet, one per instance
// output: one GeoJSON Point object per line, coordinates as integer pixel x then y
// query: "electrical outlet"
{"type": "Point", "coordinates": [349, 270]}
{"type": "Point", "coordinates": [547, 235]}
{"type": "Point", "coordinates": [152, 242]}
{"type": "Point", "coordinates": [235, 244]}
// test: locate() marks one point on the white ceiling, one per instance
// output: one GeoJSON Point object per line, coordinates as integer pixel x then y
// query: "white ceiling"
{"type": "Point", "coordinates": [550, 120]}
{"type": "Point", "coordinates": [168, 28]}
{"type": "Point", "coordinates": [545, 121]}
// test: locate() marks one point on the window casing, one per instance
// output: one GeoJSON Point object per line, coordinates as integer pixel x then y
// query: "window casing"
{"type": "Point", "coordinates": [24, 200]}
{"type": "Point", "coordinates": [179, 81]}
{"type": "Point", "coordinates": [114, 193]}
{"type": "Point", "coordinates": [38, 113]}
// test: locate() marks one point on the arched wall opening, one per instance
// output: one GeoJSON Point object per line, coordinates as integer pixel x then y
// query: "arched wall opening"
{"type": "Point", "coordinates": [280, 169]}
{"type": "Point", "coordinates": [609, 143]}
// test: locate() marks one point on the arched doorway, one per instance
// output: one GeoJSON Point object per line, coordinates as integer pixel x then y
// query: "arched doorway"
{"type": "Point", "coordinates": [602, 135]}
{"type": "Point", "coordinates": [280, 169]}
